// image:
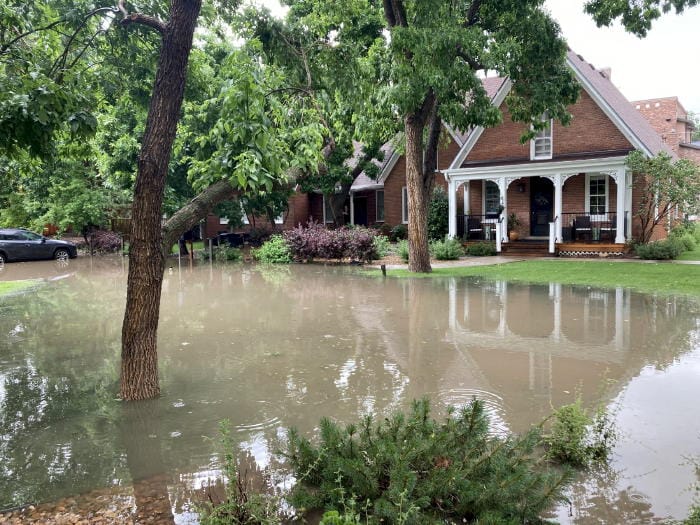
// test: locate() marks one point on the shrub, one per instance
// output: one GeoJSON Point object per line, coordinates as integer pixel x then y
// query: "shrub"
{"type": "Point", "coordinates": [438, 215]}
{"type": "Point", "coordinates": [275, 250]}
{"type": "Point", "coordinates": [410, 468]}
{"type": "Point", "coordinates": [446, 250]}
{"type": "Point", "coordinates": [402, 250]}
{"type": "Point", "coordinates": [398, 233]}
{"type": "Point", "coordinates": [666, 249]}
{"type": "Point", "coordinates": [104, 241]}
{"type": "Point", "coordinates": [480, 249]}
{"type": "Point", "coordinates": [315, 241]}
{"type": "Point", "coordinates": [382, 228]}
{"type": "Point", "coordinates": [227, 253]}
{"type": "Point", "coordinates": [578, 438]}
{"type": "Point", "coordinates": [381, 245]}
{"type": "Point", "coordinates": [257, 236]}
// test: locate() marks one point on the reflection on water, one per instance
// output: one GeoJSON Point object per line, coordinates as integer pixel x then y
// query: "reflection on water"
{"type": "Point", "coordinates": [270, 348]}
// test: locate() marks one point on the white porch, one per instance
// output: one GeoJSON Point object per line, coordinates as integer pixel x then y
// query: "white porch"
{"type": "Point", "coordinates": [615, 211]}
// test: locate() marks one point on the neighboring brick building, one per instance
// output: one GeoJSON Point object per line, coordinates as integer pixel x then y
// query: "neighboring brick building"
{"type": "Point", "coordinates": [670, 120]}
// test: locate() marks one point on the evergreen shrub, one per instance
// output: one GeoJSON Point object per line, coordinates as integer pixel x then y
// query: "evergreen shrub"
{"type": "Point", "coordinates": [480, 249]}
{"type": "Point", "coordinates": [438, 215]}
{"type": "Point", "coordinates": [412, 469]}
{"type": "Point", "coordinates": [446, 250]}
{"type": "Point", "coordinates": [275, 250]}
{"type": "Point", "coordinates": [669, 248]}
{"type": "Point", "coordinates": [398, 233]}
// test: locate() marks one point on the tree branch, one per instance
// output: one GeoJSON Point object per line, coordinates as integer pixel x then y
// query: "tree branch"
{"type": "Point", "coordinates": [138, 18]}
{"type": "Point", "coordinates": [473, 13]}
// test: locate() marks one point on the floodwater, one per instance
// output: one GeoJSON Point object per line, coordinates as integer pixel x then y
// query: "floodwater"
{"type": "Point", "coordinates": [272, 348]}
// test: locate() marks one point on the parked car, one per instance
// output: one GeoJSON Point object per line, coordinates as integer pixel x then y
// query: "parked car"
{"type": "Point", "coordinates": [17, 244]}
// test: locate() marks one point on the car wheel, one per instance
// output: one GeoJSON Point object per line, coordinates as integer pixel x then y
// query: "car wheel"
{"type": "Point", "coordinates": [2, 259]}
{"type": "Point", "coordinates": [61, 254]}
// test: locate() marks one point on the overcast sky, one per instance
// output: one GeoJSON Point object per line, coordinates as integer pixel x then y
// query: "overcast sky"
{"type": "Point", "coordinates": [663, 64]}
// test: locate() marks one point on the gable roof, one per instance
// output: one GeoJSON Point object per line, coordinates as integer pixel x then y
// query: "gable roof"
{"type": "Point", "coordinates": [636, 129]}
{"type": "Point", "coordinates": [613, 103]}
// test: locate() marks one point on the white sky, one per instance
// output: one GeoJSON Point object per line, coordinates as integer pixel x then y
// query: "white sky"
{"type": "Point", "coordinates": [661, 65]}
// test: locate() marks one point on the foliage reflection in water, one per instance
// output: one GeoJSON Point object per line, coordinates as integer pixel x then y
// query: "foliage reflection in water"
{"type": "Point", "coordinates": [268, 348]}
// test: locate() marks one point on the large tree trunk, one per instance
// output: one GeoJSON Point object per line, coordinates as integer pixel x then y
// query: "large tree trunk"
{"type": "Point", "coordinates": [418, 198]}
{"type": "Point", "coordinates": [139, 369]}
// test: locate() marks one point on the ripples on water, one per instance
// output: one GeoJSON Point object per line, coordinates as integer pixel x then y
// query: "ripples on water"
{"type": "Point", "coordinates": [268, 349]}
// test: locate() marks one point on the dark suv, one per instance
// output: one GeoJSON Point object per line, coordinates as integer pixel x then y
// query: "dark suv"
{"type": "Point", "coordinates": [23, 245]}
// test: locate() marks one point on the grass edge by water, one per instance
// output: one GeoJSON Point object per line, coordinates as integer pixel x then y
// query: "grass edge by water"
{"type": "Point", "coordinates": [642, 276]}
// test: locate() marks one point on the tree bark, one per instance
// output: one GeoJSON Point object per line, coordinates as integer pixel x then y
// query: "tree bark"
{"type": "Point", "coordinates": [139, 368]}
{"type": "Point", "coordinates": [194, 211]}
{"type": "Point", "coordinates": [418, 197]}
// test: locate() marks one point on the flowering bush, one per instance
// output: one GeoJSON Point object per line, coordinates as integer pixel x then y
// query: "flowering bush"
{"type": "Point", "coordinates": [314, 241]}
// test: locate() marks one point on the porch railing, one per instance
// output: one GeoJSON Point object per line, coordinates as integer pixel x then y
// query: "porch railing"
{"type": "Point", "coordinates": [478, 227]}
{"type": "Point", "coordinates": [589, 227]}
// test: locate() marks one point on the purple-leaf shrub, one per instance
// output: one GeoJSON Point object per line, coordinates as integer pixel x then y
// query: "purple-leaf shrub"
{"type": "Point", "coordinates": [317, 242]}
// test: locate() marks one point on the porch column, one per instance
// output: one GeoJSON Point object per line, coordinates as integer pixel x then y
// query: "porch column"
{"type": "Point", "coordinates": [452, 207]}
{"type": "Point", "coordinates": [352, 208]}
{"type": "Point", "coordinates": [558, 206]}
{"type": "Point", "coordinates": [621, 194]}
{"type": "Point", "coordinates": [467, 202]}
{"type": "Point", "coordinates": [503, 190]}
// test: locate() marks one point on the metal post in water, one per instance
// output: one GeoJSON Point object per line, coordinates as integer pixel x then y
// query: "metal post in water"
{"type": "Point", "coordinates": [211, 252]}
{"type": "Point", "coordinates": [383, 267]}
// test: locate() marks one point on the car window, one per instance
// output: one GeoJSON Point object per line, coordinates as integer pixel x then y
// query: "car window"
{"type": "Point", "coordinates": [30, 236]}
{"type": "Point", "coordinates": [9, 237]}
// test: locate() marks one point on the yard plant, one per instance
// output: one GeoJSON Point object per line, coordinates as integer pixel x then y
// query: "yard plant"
{"type": "Point", "coordinates": [446, 249]}
{"type": "Point", "coordinates": [275, 250]}
{"type": "Point", "coordinates": [413, 469]}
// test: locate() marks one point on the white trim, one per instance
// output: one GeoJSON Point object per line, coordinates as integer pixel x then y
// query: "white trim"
{"type": "Point", "coordinates": [325, 218]}
{"type": "Point", "coordinates": [453, 134]}
{"type": "Point", "coordinates": [389, 166]}
{"type": "Point", "coordinates": [483, 195]}
{"type": "Point", "coordinates": [376, 206]}
{"type": "Point", "coordinates": [587, 201]}
{"type": "Point", "coordinates": [475, 134]}
{"type": "Point", "coordinates": [280, 218]}
{"type": "Point", "coordinates": [536, 169]}
{"type": "Point", "coordinates": [404, 204]}
{"type": "Point", "coordinates": [608, 110]}
{"type": "Point", "coordinates": [533, 154]}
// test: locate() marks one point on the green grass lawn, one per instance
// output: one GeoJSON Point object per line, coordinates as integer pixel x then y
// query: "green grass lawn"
{"type": "Point", "coordinates": [692, 255]}
{"type": "Point", "coordinates": [8, 287]}
{"type": "Point", "coordinates": [647, 277]}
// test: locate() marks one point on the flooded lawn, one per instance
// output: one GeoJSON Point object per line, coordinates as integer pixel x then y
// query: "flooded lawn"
{"type": "Point", "coordinates": [270, 348]}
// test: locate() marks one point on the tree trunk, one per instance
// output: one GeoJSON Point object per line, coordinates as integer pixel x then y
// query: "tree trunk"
{"type": "Point", "coordinates": [194, 211]}
{"type": "Point", "coordinates": [139, 369]}
{"type": "Point", "coordinates": [418, 198]}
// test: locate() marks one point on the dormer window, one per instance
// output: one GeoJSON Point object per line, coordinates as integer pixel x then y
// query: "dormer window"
{"type": "Point", "coordinates": [541, 144]}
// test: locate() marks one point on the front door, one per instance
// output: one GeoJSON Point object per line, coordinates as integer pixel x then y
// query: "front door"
{"type": "Point", "coordinates": [541, 206]}
{"type": "Point", "coordinates": [360, 205]}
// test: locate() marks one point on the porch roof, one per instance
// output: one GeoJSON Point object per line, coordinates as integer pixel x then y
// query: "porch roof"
{"type": "Point", "coordinates": [610, 165]}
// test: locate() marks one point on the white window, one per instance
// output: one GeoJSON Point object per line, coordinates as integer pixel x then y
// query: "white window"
{"type": "Point", "coordinates": [596, 194]}
{"type": "Point", "coordinates": [280, 218]}
{"type": "Point", "coordinates": [404, 205]}
{"type": "Point", "coordinates": [492, 198]}
{"type": "Point", "coordinates": [223, 220]}
{"type": "Point", "coordinates": [327, 211]}
{"type": "Point", "coordinates": [380, 206]}
{"type": "Point", "coordinates": [541, 144]}
{"type": "Point", "coordinates": [244, 215]}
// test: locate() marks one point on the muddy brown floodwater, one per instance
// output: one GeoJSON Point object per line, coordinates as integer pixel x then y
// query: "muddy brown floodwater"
{"type": "Point", "coordinates": [268, 348]}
